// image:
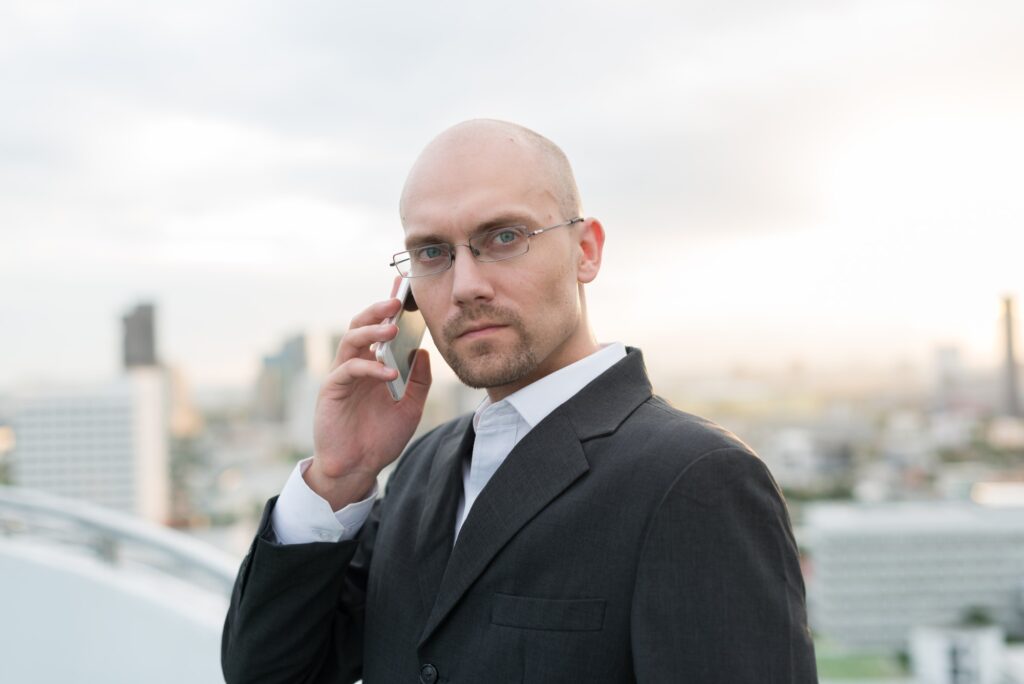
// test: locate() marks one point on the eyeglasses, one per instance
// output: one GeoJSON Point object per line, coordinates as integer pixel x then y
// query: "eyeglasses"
{"type": "Point", "coordinates": [494, 245]}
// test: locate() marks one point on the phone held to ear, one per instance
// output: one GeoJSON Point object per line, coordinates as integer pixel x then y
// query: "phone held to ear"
{"type": "Point", "coordinates": [400, 352]}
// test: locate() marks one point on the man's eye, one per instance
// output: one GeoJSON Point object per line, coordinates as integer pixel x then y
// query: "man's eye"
{"type": "Point", "coordinates": [504, 237]}
{"type": "Point", "coordinates": [429, 253]}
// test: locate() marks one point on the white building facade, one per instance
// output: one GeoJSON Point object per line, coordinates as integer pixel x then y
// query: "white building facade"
{"type": "Point", "coordinates": [105, 444]}
{"type": "Point", "coordinates": [879, 570]}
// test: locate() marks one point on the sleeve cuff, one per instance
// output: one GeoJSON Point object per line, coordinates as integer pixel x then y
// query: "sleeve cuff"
{"type": "Point", "coordinates": [301, 516]}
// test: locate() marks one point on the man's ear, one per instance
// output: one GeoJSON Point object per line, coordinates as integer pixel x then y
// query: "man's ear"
{"type": "Point", "coordinates": [591, 244]}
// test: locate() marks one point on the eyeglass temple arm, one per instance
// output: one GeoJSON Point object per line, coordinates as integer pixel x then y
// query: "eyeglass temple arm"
{"type": "Point", "coordinates": [544, 230]}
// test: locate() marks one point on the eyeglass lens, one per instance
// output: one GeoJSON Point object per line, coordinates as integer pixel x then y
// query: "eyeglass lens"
{"type": "Point", "coordinates": [494, 245]}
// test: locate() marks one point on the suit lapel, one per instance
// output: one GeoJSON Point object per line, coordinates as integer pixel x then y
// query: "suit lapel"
{"type": "Point", "coordinates": [537, 470]}
{"type": "Point", "coordinates": [543, 465]}
{"type": "Point", "coordinates": [437, 524]}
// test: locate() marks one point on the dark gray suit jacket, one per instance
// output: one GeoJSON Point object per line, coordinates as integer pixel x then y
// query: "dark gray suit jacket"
{"type": "Point", "coordinates": [620, 541]}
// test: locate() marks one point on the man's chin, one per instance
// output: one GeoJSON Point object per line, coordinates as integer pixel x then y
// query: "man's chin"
{"type": "Point", "coordinates": [492, 367]}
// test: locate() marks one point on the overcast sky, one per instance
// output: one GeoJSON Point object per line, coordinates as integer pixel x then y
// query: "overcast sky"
{"type": "Point", "coordinates": [832, 182]}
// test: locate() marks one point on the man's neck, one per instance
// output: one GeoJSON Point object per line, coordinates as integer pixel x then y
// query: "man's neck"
{"type": "Point", "coordinates": [553, 363]}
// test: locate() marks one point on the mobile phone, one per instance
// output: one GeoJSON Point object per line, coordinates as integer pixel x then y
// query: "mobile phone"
{"type": "Point", "coordinates": [400, 352]}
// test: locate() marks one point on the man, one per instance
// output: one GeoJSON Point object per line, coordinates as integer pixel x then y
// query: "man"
{"type": "Point", "coordinates": [575, 528]}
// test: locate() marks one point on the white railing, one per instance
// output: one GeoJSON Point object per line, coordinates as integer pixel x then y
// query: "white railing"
{"type": "Point", "coordinates": [114, 537]}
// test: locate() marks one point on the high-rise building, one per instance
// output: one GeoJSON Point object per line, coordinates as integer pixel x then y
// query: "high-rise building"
{"type": "Point", "coordinates": [279, 373]}
{"type": "Point", "coordinates": [287, 387]}
{"type": "Point", "coordinates": [1011, 396]}
{"type": "Point", "coordinates": [879, 570]}
{"type": "Point", "coordinates": [140, 337]}
{"type": "Point", "coordinates": [950, 378]}
{"type": "Point", "coordinates": [105, 444]}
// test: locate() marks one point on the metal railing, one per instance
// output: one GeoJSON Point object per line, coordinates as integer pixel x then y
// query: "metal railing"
{"type": "Point", "coordinates": [113, 537]}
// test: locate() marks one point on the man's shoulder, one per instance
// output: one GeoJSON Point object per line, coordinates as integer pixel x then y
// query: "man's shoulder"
{"type": "Point", "coordinates": [657, 416]}
{"type": "Point", "coordinates": [663, 442]}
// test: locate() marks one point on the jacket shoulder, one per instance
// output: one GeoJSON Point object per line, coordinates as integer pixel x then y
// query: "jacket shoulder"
{"type": "Point", "coordinates": [663, 442]}
{"type": "Point", "coordinates": [694, 434]}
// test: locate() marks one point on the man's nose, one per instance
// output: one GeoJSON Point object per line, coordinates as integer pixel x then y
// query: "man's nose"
{"type": "Point", "coordinates": [469, 279]}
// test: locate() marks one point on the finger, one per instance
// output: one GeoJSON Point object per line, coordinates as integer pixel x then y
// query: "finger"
{"type": "Point", "coordinates": [356, 342]}
{"type": "Point", "coordinates": [375, 313]}
{"type": "Point", "coordinates": [359, 369]}
{"type": "Point", "coordinates": [371, 316]}
{"type": "Point", "coordinates": [394, 285]}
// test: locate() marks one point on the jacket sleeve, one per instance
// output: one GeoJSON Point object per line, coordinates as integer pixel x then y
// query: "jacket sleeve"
{"type": "Point", "coordinates": [296, 611]}
{"type": "Point", "coordinates": [719, 596]}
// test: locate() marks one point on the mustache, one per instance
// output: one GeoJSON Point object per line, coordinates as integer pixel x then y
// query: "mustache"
{"type": "Point", "coordinates": [454, 326]}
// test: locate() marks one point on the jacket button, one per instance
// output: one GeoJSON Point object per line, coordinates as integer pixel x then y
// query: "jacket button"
{"type": "Point", "coordinates": [428, 674]}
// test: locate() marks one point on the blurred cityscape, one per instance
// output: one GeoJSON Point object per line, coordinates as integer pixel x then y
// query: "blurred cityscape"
{"type": "Point", "coordinates": [906, 490]}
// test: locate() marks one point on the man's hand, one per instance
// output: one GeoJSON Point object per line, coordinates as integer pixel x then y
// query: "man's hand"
{"type": "Point", "coordinates": [358, 428]}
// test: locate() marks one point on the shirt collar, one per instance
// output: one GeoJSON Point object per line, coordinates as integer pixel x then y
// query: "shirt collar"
{"type": "Point", "coordinates": [535, 401]}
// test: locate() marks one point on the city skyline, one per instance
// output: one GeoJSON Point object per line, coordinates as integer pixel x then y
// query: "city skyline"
{"type": "Point", "coordinates": [661, 355]}
{"type": "Point", "coordinates": [830, 185]}
{"type": "Point", "coordinates": [815, 234]}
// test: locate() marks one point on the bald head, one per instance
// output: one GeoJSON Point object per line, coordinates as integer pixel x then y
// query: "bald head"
{"type": "Point", "coordinates": [479, 140]}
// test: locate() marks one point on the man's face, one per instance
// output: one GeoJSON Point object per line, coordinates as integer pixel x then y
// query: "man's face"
{"type": "Point", "coordinates": [505, 323]}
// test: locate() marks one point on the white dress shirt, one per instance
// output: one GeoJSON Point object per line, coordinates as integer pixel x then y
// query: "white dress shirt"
{"type": "Point", "coordinates": [302, 516]}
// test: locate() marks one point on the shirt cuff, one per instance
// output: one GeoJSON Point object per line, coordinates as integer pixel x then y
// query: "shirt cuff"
{"type": "Point", "coordinates": [301, 516]}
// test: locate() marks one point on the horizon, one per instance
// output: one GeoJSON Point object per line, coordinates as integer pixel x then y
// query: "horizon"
{"type": "Point", "coordinates": [832, 185]}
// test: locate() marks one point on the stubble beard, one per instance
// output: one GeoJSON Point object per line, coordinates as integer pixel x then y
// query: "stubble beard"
{"type": "Point", "coordinates": [483, 363]}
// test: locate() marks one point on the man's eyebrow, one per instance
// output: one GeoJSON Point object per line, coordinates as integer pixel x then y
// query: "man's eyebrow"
{"type": "Point", "coordinates": [506, 219]}
{"type": "Point", "coordinates": [499, 221]}
{"type": "Point", "coordinates": [420, 240]}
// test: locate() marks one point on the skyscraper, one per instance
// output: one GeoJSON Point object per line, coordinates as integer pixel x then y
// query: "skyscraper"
{"type": "Point", "coordinates": [1011, 397]}
{"type": "Point", "coordinates": [949, 379]}
{"type": "Point", "coordinates": [140, 337]}
{"type": "Point", "coordinates": [279, 372]}
{"type": "Point", "coordinates": [106, 443]}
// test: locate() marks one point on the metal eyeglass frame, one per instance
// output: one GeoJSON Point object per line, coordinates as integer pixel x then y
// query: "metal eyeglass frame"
{"type": "Point", "coordinates": [472, 250]}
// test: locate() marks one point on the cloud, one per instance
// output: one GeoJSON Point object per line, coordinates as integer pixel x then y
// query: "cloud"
{"type": "Point", "coordinates": [169, 148]}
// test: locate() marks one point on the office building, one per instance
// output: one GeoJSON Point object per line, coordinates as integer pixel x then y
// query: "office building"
{"type": "Point", "coordinates": [288, 384]}
{"type": "Point", "coordinates": [103, 444]}
{"type": "Point", "coordinates": [139, 339]}
{"type": "Point", "coordinates": [1011, 392]}
{"type": "Point", "coordinates": [950, 378]}
{"type": "Point", "coordinates": [280, 372]}
{"type": "Point", "coordinates": [879, 570]}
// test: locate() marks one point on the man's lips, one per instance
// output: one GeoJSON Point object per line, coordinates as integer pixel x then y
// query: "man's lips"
{"type": "Point", "coordinates": [480, 330]}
